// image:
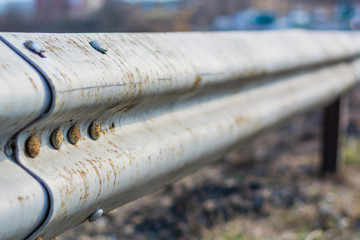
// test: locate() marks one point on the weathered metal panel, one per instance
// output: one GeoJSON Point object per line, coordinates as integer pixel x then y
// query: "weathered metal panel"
{"type": "Point", "coordinates": [133, 159]}
{"type": "Point", "coordinates": [23, 96]}
{"type": "Point", "coordinates": [141, 65]}
{"type": "Point", "coordinates": [23, 202]}
{"type": "Point", "coordinates": [168, 104]}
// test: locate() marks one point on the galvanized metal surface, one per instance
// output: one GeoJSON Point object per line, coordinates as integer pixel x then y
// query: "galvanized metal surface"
{"type": "Point", "coordinates": [23, 202]}
{"type": "Point", "coordinates": [23, 96]}
{"type": "Point", "coordinates": [143, 65]}
{"type": "Point", "coordinates": [167, 104]}
{"type": "Point", "coordinates": [131, 160]}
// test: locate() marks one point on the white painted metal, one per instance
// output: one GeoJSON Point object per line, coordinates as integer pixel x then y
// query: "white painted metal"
{"type": "Point", "coordinates": [168, 104]}
{"type": "Point", "coordinates": [23, 98]}
{"type": "Point", "coordinates": [134, 159]}
{"type": "Point", "coordinates": [23, 202]}
{"type": "Point", "coordinates": [141, 65]}
{"type": "Point", "coordinates": [22, 94]}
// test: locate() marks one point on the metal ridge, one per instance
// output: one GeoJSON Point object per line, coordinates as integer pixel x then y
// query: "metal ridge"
{"type": "Point", "coordinates": [48, 106]}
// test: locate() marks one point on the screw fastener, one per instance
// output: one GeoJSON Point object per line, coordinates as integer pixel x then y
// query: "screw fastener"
{"type": "Point", "coordinates": [32, 146]}
{"type": "Point", "coordinates": [97, 46]}
{"type": "Point", "coordinates": [8, 149]}
{"type": "Point", "coordinates": [74, 134]}
{"type": "Point", "coordinates": [57, 138]}
{"type": "Point", "coordinates": [35, 47]}
{"type": "Point", "coordinates": [96, 215]}
{"type": "Point", "coordinates": [95, 130]}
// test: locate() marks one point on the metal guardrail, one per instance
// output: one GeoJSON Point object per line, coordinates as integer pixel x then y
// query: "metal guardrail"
{"type": "Point", "coordinates": [93, 121]}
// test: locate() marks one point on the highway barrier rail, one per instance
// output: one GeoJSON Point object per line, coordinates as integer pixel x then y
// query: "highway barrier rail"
{"type": "Point", "coordinates": [92, 121]}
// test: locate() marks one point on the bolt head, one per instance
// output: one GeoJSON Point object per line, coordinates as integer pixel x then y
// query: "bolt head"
{"type": "Point", "coordinates": [32, 146]}
{"type": "Point", "coordinates": [74, 134]}
{"type": "Point", "coordinates": [96, 215]}
{"type": "Point", "coordinates": [8, 150]}
{"type": "Point", "coordinates": [95, 130]}
{"type": "Point", "coordinates": [57, 138]}
{"type": "Point", "coordinates": [98, 47]}
{"type": "Point", "coordinates": [35, 47]}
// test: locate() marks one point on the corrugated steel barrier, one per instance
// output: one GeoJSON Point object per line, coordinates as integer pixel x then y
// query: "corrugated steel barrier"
{"type": "Point", "coordinates": [90, 122]}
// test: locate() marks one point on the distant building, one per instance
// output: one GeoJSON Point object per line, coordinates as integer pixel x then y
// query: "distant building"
{"type": "Point", "coordinates": [158, 15]}
{"type": "Point", "coordinates": [84, 7]}
{"type": "Point", "coordinates": [68, 8]}
{"type": "Point", "coordinates": [51, 8]}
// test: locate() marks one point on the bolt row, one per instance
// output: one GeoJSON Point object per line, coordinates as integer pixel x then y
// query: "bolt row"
{"type": "Point", "coordinates": [57, 138]}
{"type": "Point", "coordinates": [37, 48]}
{"type": "Point", "coordinates": [74, 134]}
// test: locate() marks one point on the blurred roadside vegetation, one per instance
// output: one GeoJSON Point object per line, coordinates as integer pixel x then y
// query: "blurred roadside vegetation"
{"type": "Point", "coordinates": [351, 152]}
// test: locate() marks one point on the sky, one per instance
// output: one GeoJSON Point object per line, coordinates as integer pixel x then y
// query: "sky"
{"type": "Point", "coordinates": [2, 2]}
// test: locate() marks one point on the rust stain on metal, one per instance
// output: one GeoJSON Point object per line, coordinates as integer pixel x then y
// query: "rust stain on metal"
{"type": "Point", "coordinates": [32, 146]}
{"type": "Point", "coordinates": [5, 66]}
{"type": "Point", "coordinates": [57, 138]}
{"type": "Point", "coordinates": [93, 165]}
{"type": "Point", "coordinates": [78, 46]}
{"type": "Point", "coordinates": [83, 175]}
{"type": "Point", "coordinates": [32, 82]}
{"type": "Point", "coordinates": [198, 80]}
{"type": "Point", "coordinates": [113, 168]}
{"type": "Point", "coordinates": [240, 120]}
{"type": "Point", "coordinates": [95, 130]}
{"type": "Point", "coordinates": [74, 134]}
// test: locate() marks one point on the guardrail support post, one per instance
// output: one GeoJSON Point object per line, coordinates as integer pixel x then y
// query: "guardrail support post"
{"type": "Point", "coordinates": [332, 122]}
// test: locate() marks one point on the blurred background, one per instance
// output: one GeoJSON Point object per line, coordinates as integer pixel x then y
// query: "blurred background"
{"type": "Point", "coordinates": [267, 188]}
{"type": "Point", "coordinates": [176, 15]}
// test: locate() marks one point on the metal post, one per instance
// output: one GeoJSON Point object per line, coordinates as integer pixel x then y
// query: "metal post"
{"type": "Point", "coordinates": [331, 140]}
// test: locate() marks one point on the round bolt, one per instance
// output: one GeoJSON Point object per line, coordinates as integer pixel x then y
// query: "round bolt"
{"type": "Point", "coordinates": [96, 215]}
{"type": "Point", "coordinates": [97, 46]}
{"type": "Point", "coordinates": [74, 134]}
{"type": "Point", "coordinates": [35, 47]}
{"type": "Point", "coordinates": [33, 146]}
{"type": "Point", "coordinates": [95, 130]}
{"type": "Point", "coordinates": [8, 149]}
{"type": "Point", "coordinates": [57, 138]}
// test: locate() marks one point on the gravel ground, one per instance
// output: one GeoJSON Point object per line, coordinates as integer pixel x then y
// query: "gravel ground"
{"type": "Point", "coordinates": [266, 189]}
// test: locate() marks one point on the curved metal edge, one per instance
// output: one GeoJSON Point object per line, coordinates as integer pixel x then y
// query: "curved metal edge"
{"type": "Point", "coordinates": [12, 142]}
{"type": "Point", "coordinates": [23, 201]}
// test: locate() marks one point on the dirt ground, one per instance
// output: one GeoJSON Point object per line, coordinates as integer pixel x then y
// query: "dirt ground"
{"type": "Point", "coordinates": [268, 188]}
